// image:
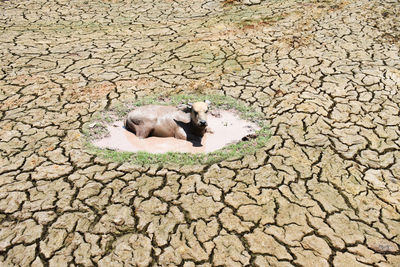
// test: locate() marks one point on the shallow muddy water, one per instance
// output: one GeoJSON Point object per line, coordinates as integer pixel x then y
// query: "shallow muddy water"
{"type": "Point", "coordinates": [226, 126]}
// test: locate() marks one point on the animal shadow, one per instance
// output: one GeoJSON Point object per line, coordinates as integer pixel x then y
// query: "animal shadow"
{"type": "Point", "coordinates": [191, 135]}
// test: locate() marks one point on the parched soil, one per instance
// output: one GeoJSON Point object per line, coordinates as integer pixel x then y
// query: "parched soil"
{"type": "Point", "coordinates": [325, 191]}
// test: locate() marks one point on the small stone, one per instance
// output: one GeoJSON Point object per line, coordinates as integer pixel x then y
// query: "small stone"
{"type": "Point", "coordinates": [251, 2]}
{"type": "Point", "coordinates": [119, 221]}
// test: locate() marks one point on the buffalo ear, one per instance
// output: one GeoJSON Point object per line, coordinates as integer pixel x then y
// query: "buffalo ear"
{"type": "Point", "coordinates": [184, 107]}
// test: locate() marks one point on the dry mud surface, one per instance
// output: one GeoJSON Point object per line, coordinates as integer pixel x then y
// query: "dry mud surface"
{"type": "Point", "coordinates": [323, 192]}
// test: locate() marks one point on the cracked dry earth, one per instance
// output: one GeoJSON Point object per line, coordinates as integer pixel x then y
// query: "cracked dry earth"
{"type": "Point", "coordinates": [323, 192]}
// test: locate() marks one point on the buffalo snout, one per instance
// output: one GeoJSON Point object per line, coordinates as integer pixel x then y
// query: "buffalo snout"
{"type": "Point", "coordinates": [203, 123]}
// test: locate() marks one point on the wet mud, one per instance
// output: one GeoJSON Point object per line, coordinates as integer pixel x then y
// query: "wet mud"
{"type": "Point", "coordinates": [226, 128]}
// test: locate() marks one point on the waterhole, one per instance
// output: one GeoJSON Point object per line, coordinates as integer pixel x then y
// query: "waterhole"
{"type": "Point", "coordinates": [226, 128]}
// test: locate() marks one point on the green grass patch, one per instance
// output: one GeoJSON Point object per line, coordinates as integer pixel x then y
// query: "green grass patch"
{"type": "Point", "coordinates": [95, 129]}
